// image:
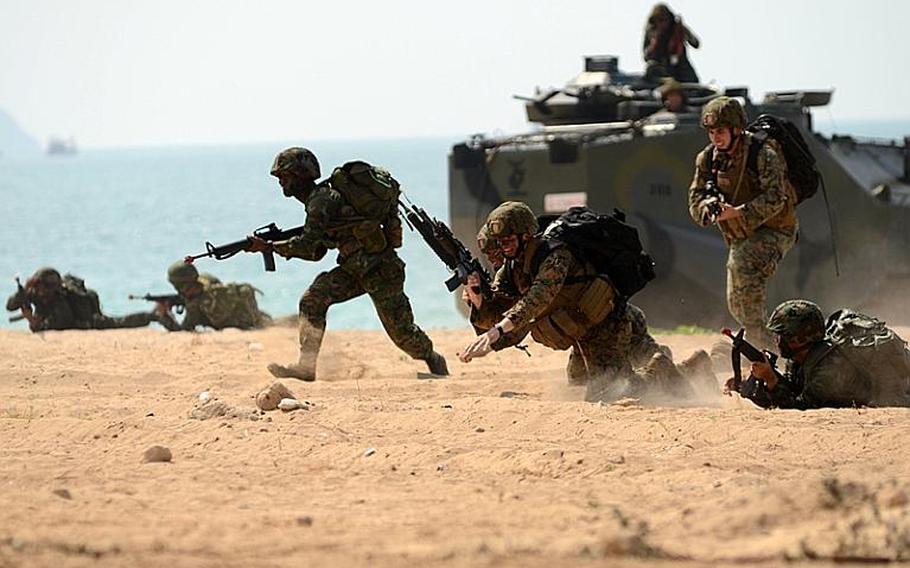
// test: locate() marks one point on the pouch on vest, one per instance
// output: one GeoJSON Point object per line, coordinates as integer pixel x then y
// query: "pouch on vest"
{"type": "Point", "coordinates": [371, 236]}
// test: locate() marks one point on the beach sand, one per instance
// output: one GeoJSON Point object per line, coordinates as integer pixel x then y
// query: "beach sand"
{"type": "Point", "coordinates": [500, 464]}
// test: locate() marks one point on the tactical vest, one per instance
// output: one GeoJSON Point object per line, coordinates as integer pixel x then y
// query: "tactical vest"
{"type": "Point", "coordinates": [584, 300]}
{"type": "Point", "coordinates": [740, 184]}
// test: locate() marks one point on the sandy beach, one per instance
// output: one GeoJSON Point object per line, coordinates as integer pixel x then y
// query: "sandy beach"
{"type": "Point", "coordinates": [501, 464]}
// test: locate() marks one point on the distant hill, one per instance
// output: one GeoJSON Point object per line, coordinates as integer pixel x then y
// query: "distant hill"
{"type": "Point", "coordinates": [14, 140]}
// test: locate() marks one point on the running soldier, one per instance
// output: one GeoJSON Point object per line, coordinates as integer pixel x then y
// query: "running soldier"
{"type": "Point", "coordinates": [753, 205]}
{"type": "Point", "coordinates": [355, 212]}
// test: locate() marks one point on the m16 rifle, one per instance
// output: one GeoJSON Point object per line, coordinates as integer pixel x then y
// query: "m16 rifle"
{"type": "Point", "coordinates": [269, 233]}
{"type": "Point", "coordinates": [741, 346]}
{"type": "Point", "coordinates": [170, 300]}
{"type": "Point", "coordinates": [448, 248]}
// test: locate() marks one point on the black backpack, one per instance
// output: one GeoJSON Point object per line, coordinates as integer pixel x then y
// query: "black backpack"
{"type": "Point", "coordinates": [606, 241]}
{"type": "Point", "coordinates": [801, 169]}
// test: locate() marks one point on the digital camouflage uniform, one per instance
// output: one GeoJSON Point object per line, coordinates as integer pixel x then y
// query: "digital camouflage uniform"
{"type": "Point", "coordinates": [832, 374]}
{"type": "Point", "coordinates": [60, 303]}
{"type": "Point", "coordinates": [767, 229]}
{"type": "Point", "coordinates": [535, 299]}
{"type": "Point", "coordinates": [213, 304]}
{"type": "Point", "coordinates": [367, 264]}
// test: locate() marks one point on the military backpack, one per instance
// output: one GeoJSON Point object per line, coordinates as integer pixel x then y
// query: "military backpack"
{"type": "Point", "coordinates": [610, 244]}
{"type": "Point", "coordinates": [374, 194]}
{"type": "Point", "coordinates": [232, 305]}
{"type": "Point", "coordinates": [802, 172]}
{"type": "Point", "coordinates": [83, 301]}
{"type": "Point", "coordinates": [876, 352]}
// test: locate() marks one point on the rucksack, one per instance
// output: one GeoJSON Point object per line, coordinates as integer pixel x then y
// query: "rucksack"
{"type": "Point", "coordinates": [801, 169]}
{"type": "Point", "coordinates": [801, 166]}
{"type": "Point", "coordinates": [876, 352]}
{"type": "Point", "coordinates": [83, 301]}
{"type": "Point", "coordinates": [606, 241]}
{"type": "Point", "coordinates": [371, 190]}
{"type": "Point", "coordinates": [232, 305]}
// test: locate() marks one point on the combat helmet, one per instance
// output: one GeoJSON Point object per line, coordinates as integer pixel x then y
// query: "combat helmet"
{"type": "Point", "coordinates": [296, 160]}
{"type": "Point", "coordinates": [800, 319]}
{"type": "Point", "coordinates": [723, 112]}
{"type": "Point", "coordinates": [48, 278]}
{"type": "Point", "coordinates": [180, 274]}
{"type": "Point", "coordinates": [511, 218]}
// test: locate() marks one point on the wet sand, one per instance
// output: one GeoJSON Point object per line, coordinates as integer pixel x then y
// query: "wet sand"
{"type": "Point", "coordinates": [499, 465]}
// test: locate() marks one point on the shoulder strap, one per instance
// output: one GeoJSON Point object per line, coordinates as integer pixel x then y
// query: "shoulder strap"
{"type": "Point", "coordinates": [709, 162]}
{"type": "Point", "coordinates": [758, 141]}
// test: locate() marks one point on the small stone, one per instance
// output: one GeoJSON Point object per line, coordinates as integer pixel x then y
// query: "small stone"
{"type": "Point", "coordinates": [447, 406]}
{"type": "Point", "coordinates": [479, 429]}
{"type": "Point", "coordinates": [204, 396]}
{"type": "Point", "coordinates": [617, 460]}
{"type": "Point", "coordinates": [156, 454]}
{"type": "Point", "coordinates": [441, 467]}
{"type": "Point", "coordinates": [305, 521]}
{"type": "Point", "coordinates": [369, 452]}
{"type": "Point", "coordinates": [288, 404]}
{"type": "Point", "coordinates": [150, 414]}
{"type": "Point", "coordinates": [256, 347]}
{"type": "Point", "coordinates": [268, 398]}
{"type": "Point", "coordinates": [63, 493]}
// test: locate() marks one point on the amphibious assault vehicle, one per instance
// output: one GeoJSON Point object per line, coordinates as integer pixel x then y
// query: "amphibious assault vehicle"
{"type": "Point", "coordinates": [604, 141]}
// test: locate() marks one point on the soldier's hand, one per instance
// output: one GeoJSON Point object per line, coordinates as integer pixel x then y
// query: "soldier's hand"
{"type": "Point", "coordinates": [728, 386]}
{"type": "Point", "coordinates": [471, 291]}
{"type": "Point", "coordinates": [481, 346]}
{"type": "Point", "coordinates": [162, 308]}
{"type": "Point", "coordinates": [765, 372]}
{"type": "Point", "coordinates": [257, 244]}
{"type": "Point", "coordinates": [729, 212]}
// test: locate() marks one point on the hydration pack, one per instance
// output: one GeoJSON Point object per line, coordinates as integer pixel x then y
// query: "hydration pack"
{"type": "Point", "coordinates": [606, 241]}
{"type": "Point", "coordinates": [876, 352]}
{"type": "Point", "coordinates": [83, 301]}
{"type": "Point", "coordinates": [801, 169]}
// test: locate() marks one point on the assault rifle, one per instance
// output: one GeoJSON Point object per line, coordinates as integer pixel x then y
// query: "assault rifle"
{"type": "Point", "coordinates": [170, 300]}
{"type": "Point", "coordinates": [714, 201]}
{"type": "Point", "coordinates": [15, 318]}
{"type": "Point", "coordinates": [270, 233]}
{"type": "Point", "coordinates": [448, 248]}
{"type": "Point", "coordinates": [741, 346]}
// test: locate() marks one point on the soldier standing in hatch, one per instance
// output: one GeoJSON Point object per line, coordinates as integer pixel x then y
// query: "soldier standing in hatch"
{"type": "Point", "coordinates": [367, 264]}
{"type": "Point", "coordinates": [758, 210]}
{"type": "Point", "coordinates": [664, 48]}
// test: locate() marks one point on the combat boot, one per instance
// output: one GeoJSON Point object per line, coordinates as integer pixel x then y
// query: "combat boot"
{"type": "Point", "coordinates": [698, 368]}
{"type": "Point", "coordinates": [436, 363]}
{"type": "Point", "coordinates": [305, 369]}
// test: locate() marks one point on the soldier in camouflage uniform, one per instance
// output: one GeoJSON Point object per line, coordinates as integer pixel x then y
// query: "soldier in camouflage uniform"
{"type": "Point", "coordinates": [367, 264]}
{"type": "Point", "coordinates": [209, 303]}
{"type": "Point", "coordinates": [758, 218]}
{"type": "Point", "coordinates": [544, 290]}
{"type": "Point", "coordinates": [825, 371]}
{"type": "Point", "coordinates": [49, 301]}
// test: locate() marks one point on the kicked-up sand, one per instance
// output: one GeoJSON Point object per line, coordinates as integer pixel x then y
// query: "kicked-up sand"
{"type": "Point", "coordinates": [500, 464]}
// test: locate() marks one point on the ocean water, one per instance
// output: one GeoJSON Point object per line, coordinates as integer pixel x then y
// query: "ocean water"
{"type": "Point", "coordinates": [119, 218]}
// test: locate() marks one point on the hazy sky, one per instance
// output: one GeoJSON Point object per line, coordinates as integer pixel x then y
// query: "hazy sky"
{"type": "Point", "coordinates": [123, 72]}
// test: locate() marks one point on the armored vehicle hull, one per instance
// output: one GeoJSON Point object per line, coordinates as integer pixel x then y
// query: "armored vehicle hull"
{"type": "Point", "coordinates": [644, 167]}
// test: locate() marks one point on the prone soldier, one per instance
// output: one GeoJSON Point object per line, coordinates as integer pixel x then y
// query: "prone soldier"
{"type": "Point", "coordinates": [49, 301]}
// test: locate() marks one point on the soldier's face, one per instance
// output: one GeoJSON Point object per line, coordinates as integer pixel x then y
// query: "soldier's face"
{"type": "Point", "coordinates": [509, 245]}
{"type": "Point", "coordinates": [291, 185]}
{"type": "Point", "coordinates": [674, 101]}
{"type": "Point", "coordinates": [722, 138]}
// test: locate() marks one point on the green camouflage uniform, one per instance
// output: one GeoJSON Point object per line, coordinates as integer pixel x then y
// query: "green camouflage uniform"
{"type": "Point", "coordinates": [69, 305]}
{"type": "Point", "coordinates": [220, 306]}
{"type": "Point", "coordinates": [852, 360]}
{"type": "Point", "coordinates": [761, 237]}
{"type": "Point", "coordinates": [379, 274]}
